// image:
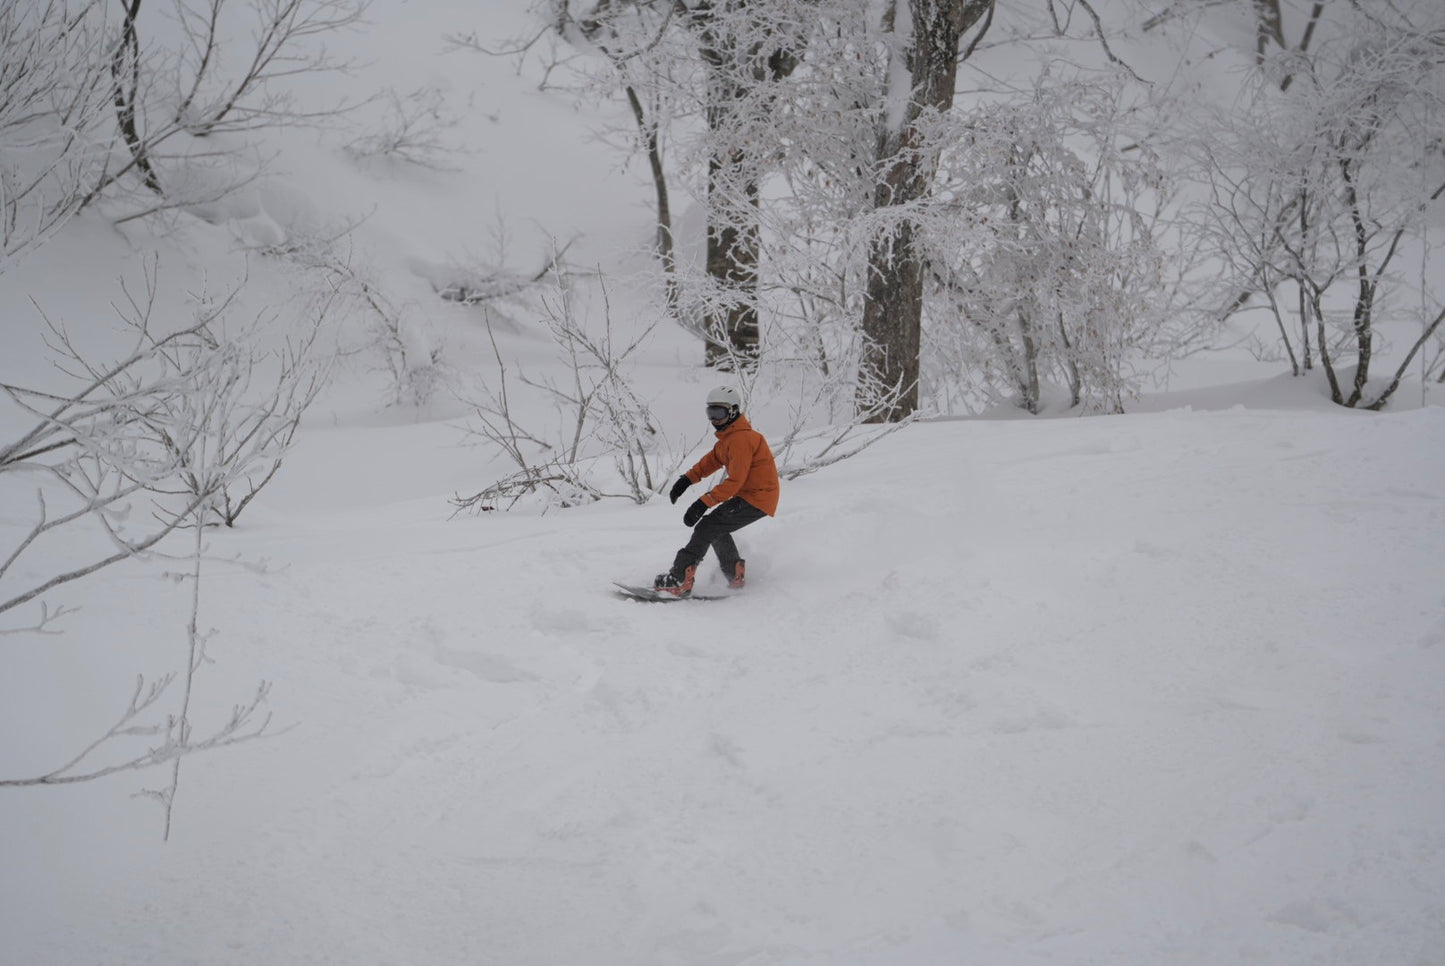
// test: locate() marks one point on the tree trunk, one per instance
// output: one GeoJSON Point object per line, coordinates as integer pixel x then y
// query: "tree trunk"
{"type": "Point", "coordinates": [893, 303]}
{"type": "Point", "coordinates": [734, 238]}
{"type": "Point", "coordinates": [1365, 295]}
{"type": "Point", "coordinates": [892, 325]}
{"type": "Point", "coordinates": [666, 250]}
{"type": "Point", "coordinates": [1268, 28]}
{"type": "Point", "coordinates": [125, 75]}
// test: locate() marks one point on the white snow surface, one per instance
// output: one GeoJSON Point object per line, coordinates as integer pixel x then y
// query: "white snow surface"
{"type": "Point", "coordinates": [1158, 688]}
{"type": "Point", "coordinates": [1161, 688]}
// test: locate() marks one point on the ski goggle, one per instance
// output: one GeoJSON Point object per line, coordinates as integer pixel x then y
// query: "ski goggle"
{"type": "Point", "coordinates": [714, 413]}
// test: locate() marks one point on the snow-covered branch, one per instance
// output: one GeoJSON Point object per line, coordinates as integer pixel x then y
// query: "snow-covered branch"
{"type": "Point", "coordinates": [170, 737]}
{"type": "Point", "coordinates": [54, 98]}
{"type": "Point", "coordinates": [176, 421]}
{"type": "Point", "coordinates": [601, 418]}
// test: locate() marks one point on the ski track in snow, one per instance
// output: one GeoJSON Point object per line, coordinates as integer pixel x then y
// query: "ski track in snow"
{"type": "Point", "coordinates": [1164, 688]}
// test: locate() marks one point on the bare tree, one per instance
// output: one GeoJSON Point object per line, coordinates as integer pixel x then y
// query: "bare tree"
{"type": "Point", "coordinates": [215, 431]}
{"type": "Point", "coordinates": [227, 430]}
{"type": "Point", "coordinates": [64, 65]}
{"type": "Point", "coordinates": [1324, 183]}
{"type": "Point", "coordinates": [171, 97]}
{"type": "Point", "coordinates": [393, 337]}
{"type": "Point", "coordinates": [635, 40]}
{"type": "Point", "coordinates": [723, 63]}
{"type": "Point", "coordinates": [54, 81]}
{"type": "Point", "coordinates": [603, 424]}
{"type": "Point", "coordinates": [413, 130]}
{"type": "Point", "coordinates": [133, 722]}
{"type": "Point", "coordinates": [88, 455]}
{"type": "Point", "coordinates": [183, 428]}
{"type": "Point", "coordinates": [178, 420]}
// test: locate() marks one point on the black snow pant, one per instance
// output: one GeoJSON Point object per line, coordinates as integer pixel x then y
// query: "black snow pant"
{"type": "Point", "coordinates": [716, 530]}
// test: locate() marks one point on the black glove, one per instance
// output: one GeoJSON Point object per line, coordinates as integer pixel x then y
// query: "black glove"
{"type": "Point", "coordinates": [678, 488]}
{"type": "Point", "coordinates": [694, 513]}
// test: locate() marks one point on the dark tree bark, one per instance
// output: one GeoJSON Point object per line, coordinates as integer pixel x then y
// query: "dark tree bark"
{"type": "Point", "coordinates": [666, 250]}
{"type": "Point", "coordinates": [744, 50]}
{"type": "Point", "coordinates": [733, 243]}
{"type": "Point", "coordinates": [741, 64]}
{"type": "Point", "coordinates": [1268, 28]}
{"type": "Point", "coordinates": [893, 306]}
{"type": "Point", "coordinates": [125, 75]}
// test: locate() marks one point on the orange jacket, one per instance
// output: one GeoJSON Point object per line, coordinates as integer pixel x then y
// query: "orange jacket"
{"type": "Point", "coordinates": [752, 474]}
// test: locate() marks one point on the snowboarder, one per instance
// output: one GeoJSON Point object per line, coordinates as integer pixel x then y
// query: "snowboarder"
{"type": "Point", "coordinates": [748, 493]}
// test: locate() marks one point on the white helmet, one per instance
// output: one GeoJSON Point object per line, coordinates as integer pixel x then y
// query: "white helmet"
{"type": "Point", "coordinates": [726, 397]}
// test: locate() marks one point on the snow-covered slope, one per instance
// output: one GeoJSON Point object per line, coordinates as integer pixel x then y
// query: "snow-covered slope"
{"type": "Point", "coordinates": [1158, 688]}
{"type": "Point", "coordinates": [1164, 688]}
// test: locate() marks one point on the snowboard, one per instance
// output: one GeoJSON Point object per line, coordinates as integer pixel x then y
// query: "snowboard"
{"type": "Point", "coordinates": [647, 595]}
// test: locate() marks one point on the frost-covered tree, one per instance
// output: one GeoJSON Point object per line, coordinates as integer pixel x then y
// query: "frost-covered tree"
{"type": "Point", "coordinates": [97, 101]}
{"type": "Point", "coordinates": [923, 55]}
{"type": "Point", "coordinates": [1045, 245]}
{"type": "Point", "coordinates": [748, 47]}
{"type": "Point", "coordinates": [179, 432]}
{"type": "Point", "coordinates": [189, 423]}
{"type": "Point", "coordinates": [1323, 179]}
{"type": "Point", "coordinates": [709, 73]}
{"type": "Point", "coordinates": [813, 131]}
{"type": "Point", "coordinates": [54, 100]}
{"type": "Point", "coordinates": [200, 68]}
